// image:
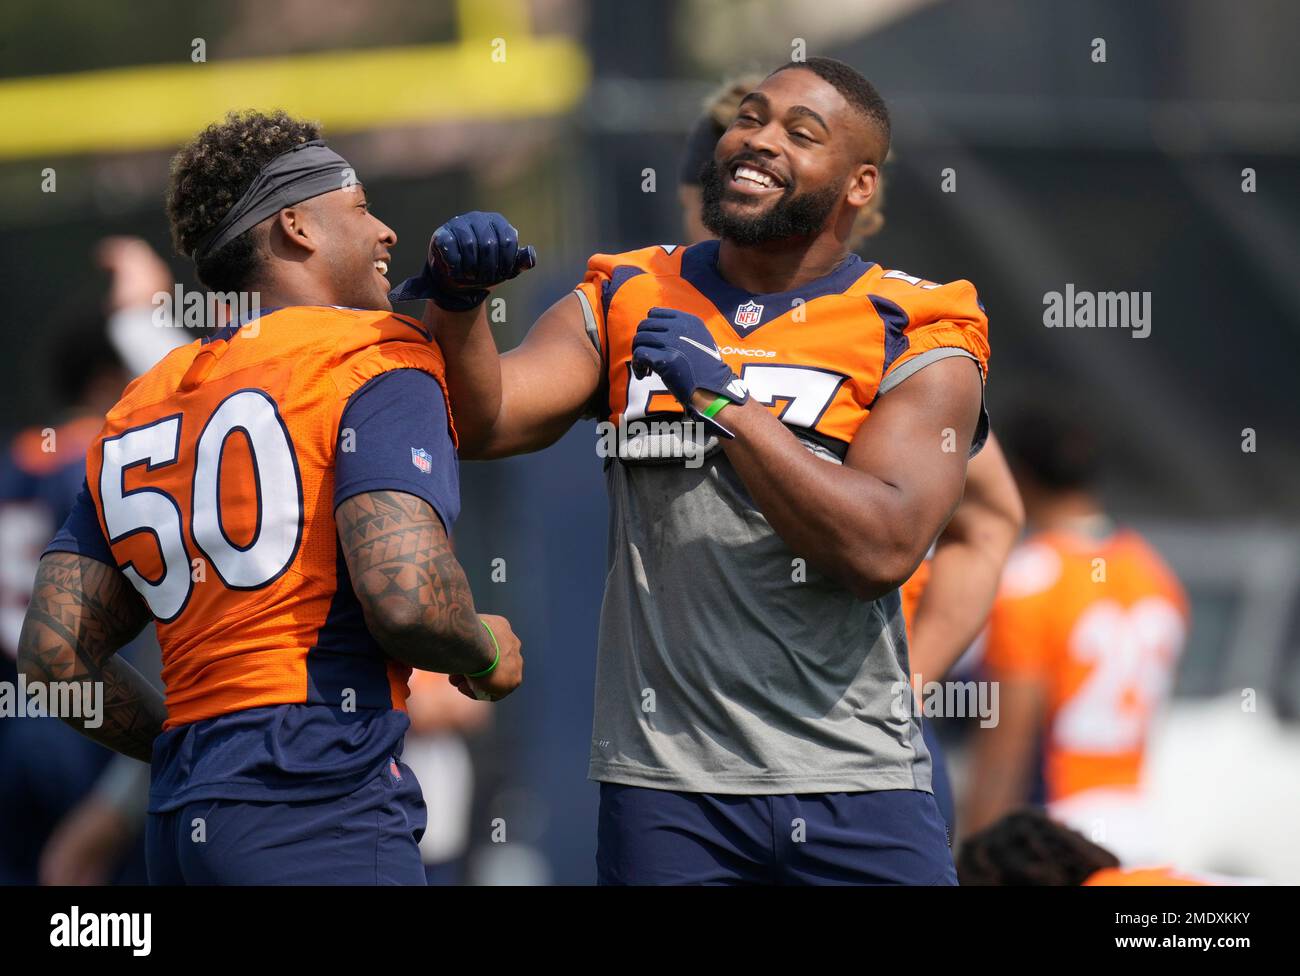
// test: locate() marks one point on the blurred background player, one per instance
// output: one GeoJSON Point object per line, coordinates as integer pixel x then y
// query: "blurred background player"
{"type": "Point", "coordinates": [1027, 847]}
{"type": "Point", "coordinates": [70, 810]}
{"type": "Point", "coordinates": [92, 357]}
{"type": "Point", "coordinates": [45, 767]}
{"type": "Point", "coordinates": [947, 600]}
{"type": "Point", "coordinates": [1083, 639]}
{"type": "Point", "coordinates": [801, 727]}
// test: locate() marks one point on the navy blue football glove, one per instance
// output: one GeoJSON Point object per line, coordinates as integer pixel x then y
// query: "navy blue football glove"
{"type": "Point", "coordinates": [678, 347]}
{"type": "Point", "coordinates": [467, 256]}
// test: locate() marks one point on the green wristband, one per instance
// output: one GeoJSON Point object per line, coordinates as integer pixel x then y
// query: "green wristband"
{"type": "Point", "coordinates": [495, 661]}
{"type": "Point", "coordinates": [714, 408]}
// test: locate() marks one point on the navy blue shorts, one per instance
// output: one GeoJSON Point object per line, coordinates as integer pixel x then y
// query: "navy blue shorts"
{"type": "Point", "coordinates": [650, 836]}
{"type": "Point", "coordinates": [368, 837]}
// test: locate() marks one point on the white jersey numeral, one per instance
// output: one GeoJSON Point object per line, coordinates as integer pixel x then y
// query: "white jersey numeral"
{"type": "Point", "coordinates": [147, 510]}
{"type": "Point", "coordinates": [1131, 654]}
{"type": "Point", "coordinates": [640, 391]}
{"type": "Point", "coordinates": [152, 510]}
{"type": "Point", "coordinates": [278, 505]}
{"type": "Point", "coordinates": [808, 389]}
{"type": "Point", "coordinates": [911, 280]}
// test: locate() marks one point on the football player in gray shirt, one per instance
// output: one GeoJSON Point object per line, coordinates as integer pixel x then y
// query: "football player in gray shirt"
{"type": "Point", "coordinates": [754, 721]}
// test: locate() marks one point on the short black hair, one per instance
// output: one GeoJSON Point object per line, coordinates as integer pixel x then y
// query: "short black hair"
{"type": "Point", "coordinates": [857, 91]}
{"type": "Point", "coordinates": [1027, 847]}
{"type": "Point", "coordinates": [1051, 446]}
{"type": "Point", "coordinates": [211, 173]}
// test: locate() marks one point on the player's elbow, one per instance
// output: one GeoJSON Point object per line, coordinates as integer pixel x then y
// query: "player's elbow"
{"type": "Point", "coordinates": [486, 448]}
{"type": "Point", "coordinates": [1002, 535]}
{"type": "Point", "coordinates": [396, 623]}
{"type": "Point", "coordinates": [992, 531]}
{"type": "Point", "coordinates": [872, 574]}
{"type": "Point", "coordinates": [1011, 515]}
{"type": "Point", "coordinates": [407, 632]}
{"type": "Point", "coordinates": [475, 445]}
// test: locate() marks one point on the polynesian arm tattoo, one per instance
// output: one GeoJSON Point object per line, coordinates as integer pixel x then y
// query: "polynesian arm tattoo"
{"type": "Point", "coordinates": [81, 613]}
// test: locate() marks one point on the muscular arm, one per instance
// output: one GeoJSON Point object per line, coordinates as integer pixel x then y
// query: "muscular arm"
{"type": "Point", "coordinates": [967, 564]}
{"type": "Point", "coordinates": [526, 399]}
{"type": "Point", "coordinates": [81, 613]}
{"type": "Point", "coordinates": [413, 592]}
{"type": "Point", "coordinates": [868, 522]}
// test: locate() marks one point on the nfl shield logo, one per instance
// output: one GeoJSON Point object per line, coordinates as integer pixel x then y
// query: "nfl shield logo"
{"type": "Point", "coordinates": [749, 314]}
{"type": "Point", "coordinates": [422, 459]}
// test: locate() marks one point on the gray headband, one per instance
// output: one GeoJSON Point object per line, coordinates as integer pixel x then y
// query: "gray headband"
{"type": "Point", "coordinates": [305, 171]}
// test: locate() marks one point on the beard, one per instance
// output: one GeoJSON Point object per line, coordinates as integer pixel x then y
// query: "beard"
{"type": "Point", "coordinates": [792, 215]}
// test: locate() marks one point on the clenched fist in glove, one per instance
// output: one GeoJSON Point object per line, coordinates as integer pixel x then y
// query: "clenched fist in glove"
{"type": "Point", "coordinates": [467, 256]}
{"type": "Point", "coordinates": [677, 346]}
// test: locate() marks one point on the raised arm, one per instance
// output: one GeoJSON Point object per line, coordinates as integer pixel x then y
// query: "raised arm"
{"type": "Point", "coordinates": [526, 399]}
{"type": "Point", "coordinates": [81, 613]}
{"type": "Point", "coordinates": [967, 565]}
{"type": "Point", "coordinates": [414, 595]}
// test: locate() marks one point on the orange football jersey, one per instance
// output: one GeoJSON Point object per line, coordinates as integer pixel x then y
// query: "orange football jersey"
{"type": "Point", "coordinates": [213, 482]}
{"type": "Point", "coordinates": [817, 356]}
{"type": "Point", "coordinates": [1154, 877]}
{"type": "Point", "coordinates": [1101, 623]}
{"type": "Point", "coordinates": [40, 451]}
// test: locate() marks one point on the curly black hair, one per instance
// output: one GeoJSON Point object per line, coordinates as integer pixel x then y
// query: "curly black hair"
{"type": "Point", "coordinates": [211, 173]}
{"type": "Point", "coordinates": [1027, 847]}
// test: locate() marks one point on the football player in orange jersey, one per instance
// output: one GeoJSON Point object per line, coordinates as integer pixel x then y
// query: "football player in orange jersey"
{"type": "Point", "coordinates": [946, 602]}
{"type": "Point", "coordinates": [277, 497]}
{"type": "Point", "coordinates": [753, 719]}
{"type": "Point", "coordinates": [1083, 639]}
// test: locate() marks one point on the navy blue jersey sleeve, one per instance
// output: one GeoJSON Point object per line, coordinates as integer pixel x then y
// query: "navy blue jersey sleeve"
{"type": "Point", "coordinates": [81, 533]}
{"type": "Point", "coordinates": [394, 436]}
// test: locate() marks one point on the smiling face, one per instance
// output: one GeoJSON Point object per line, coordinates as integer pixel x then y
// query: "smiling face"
{"type": "Point", "coordinates": [798, 161]}
{"type": "Point", "coordinates": [353, 249]}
